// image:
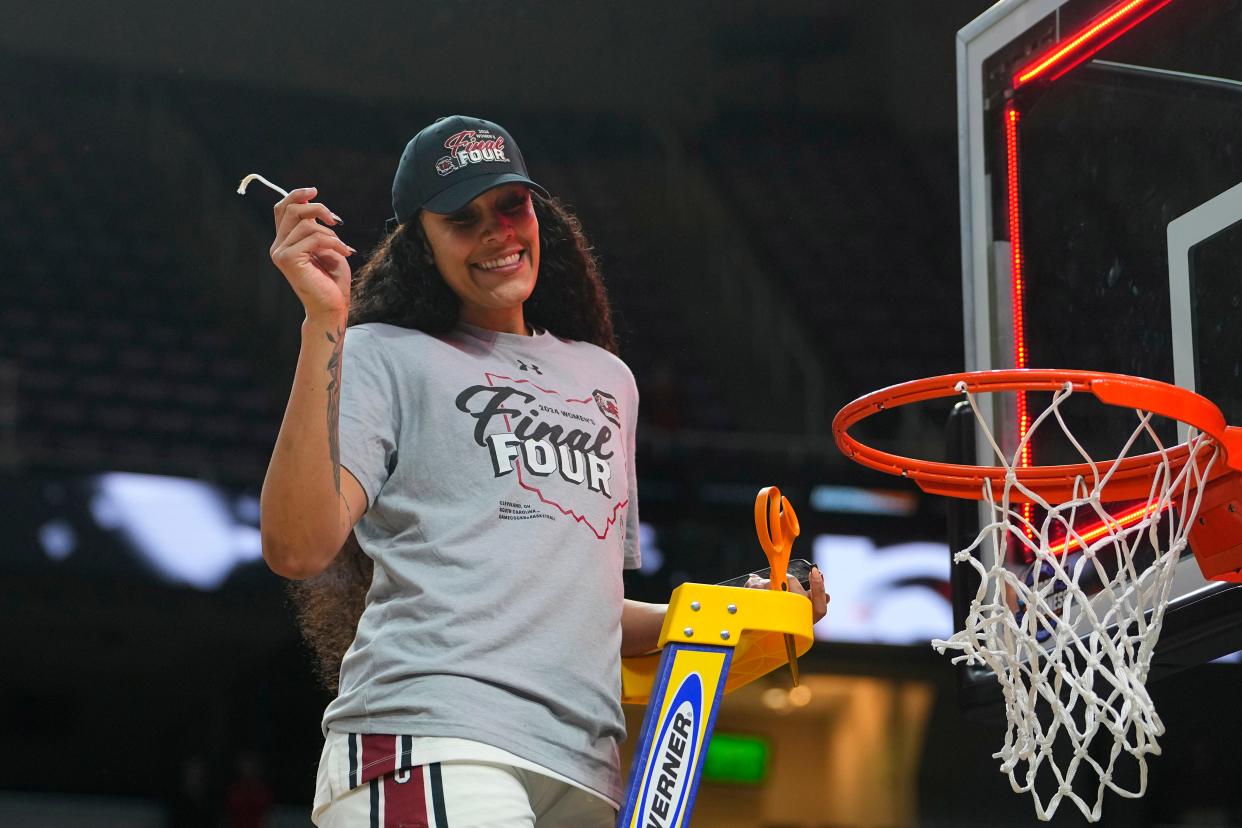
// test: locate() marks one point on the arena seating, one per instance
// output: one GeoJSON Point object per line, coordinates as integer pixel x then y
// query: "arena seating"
{"type": "Point", "coordinates": [121, 362]}
{"type": "Point", "coordinates": [126, 361]}
{"type": "Point", "coordinates": [837, 216]}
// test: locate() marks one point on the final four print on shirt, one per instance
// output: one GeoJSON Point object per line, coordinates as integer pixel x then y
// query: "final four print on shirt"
{"type": "Point", "coordinates": [565, 448]}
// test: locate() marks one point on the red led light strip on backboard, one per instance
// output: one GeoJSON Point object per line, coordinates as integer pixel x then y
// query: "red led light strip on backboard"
{"type": "Point", "coordinates": [1061, 58]}
{"type": "Point", "coordinates": [1019, 290]}
{"type": "Point", "coordinates": [1015, 264]}
{"type": "Point", "coordinates": [1098, 34]}
{"type": "Point", "coordinates": [1119, 522]}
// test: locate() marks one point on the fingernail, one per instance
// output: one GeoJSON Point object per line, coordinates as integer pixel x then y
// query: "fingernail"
{"type": "Point", "coordinates": [338, 219]}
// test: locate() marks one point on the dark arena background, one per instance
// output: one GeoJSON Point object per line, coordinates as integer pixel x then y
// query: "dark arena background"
{"type": "Point", "coordinates": [773, 192]}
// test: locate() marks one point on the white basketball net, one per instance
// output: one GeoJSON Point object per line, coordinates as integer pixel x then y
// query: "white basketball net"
{"type": "Point", "coordinates": [1072, 665]}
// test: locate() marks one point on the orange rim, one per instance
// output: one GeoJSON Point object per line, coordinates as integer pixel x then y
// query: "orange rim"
{"type": "Point", "coordinates": [1130, 480]}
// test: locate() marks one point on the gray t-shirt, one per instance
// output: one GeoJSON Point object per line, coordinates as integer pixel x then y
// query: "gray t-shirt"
{"type": "Point", "coordinates": [499, 472]}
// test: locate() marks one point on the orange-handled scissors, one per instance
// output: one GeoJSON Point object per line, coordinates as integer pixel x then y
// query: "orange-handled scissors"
{"type": "Point", "coordinates": [776, 523]}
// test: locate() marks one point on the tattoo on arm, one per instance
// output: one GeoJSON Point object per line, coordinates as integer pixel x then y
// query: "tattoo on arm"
{"type": "Point", "coordinates": [334, 405]}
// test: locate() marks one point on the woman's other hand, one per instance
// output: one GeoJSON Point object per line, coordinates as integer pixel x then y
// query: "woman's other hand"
{"type": "Point", "coordinates": [819, 597]}
{"type": "Point", "coordinates": [310, 255]}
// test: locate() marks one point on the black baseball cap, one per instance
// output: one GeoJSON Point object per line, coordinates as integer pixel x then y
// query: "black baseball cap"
{"type": "Point", "coordinates": [451, 161]}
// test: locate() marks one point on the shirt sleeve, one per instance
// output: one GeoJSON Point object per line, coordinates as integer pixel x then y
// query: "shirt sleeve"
{"type": "Point", "coordinates": [633, 554]}
{"type": "Point", "coordinates": [368, 414]}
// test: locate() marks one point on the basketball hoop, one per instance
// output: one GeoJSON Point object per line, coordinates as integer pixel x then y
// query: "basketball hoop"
{"type": "Point", "coordinates": [1051, 644]}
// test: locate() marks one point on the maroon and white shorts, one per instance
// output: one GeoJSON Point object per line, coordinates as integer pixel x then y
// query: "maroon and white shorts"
{"type": "Point", "coordinates": [372, 781]}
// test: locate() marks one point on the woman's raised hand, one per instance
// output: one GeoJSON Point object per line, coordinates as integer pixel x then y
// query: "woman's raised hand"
{"type": "Point", "coordinates": [310, 255]}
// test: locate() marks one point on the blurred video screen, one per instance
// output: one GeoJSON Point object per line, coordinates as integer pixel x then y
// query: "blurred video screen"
{"type": "Point", "coordinates": [897, 593]}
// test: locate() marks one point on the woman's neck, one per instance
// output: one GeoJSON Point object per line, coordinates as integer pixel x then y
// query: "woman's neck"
{"type": "Point", "coordinates": [510, 321]}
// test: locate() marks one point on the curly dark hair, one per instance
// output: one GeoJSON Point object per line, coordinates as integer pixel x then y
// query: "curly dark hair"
{"type": "Point", "coordinates": [400, 285]}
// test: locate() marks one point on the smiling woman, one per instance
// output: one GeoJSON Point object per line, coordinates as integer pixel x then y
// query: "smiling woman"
{"type": "Point", "coordinates": [488, 253]}
{"type": "Point", "coordinates": [453, 488]}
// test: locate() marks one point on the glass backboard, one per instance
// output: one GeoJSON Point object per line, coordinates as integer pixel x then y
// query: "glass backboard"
{"type": "Point", "coordinates": [1101, 196]}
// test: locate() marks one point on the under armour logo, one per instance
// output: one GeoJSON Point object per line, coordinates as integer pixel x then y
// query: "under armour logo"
{"type": "Point", "coordinates": [531, 367]}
